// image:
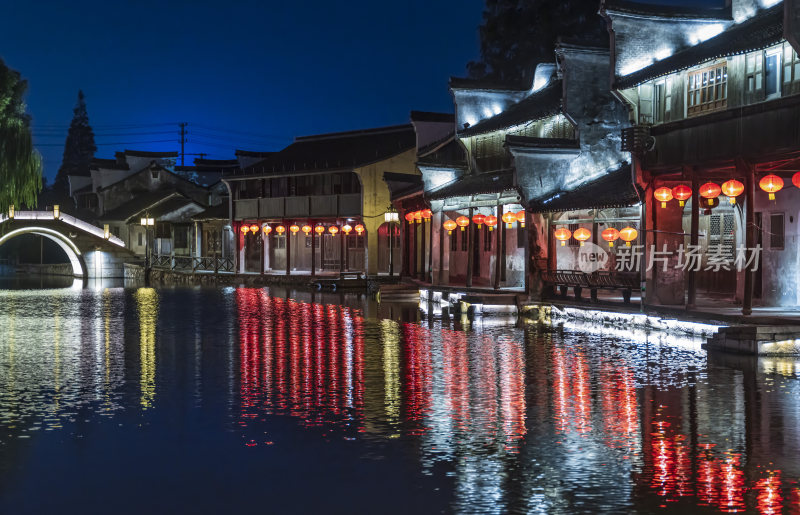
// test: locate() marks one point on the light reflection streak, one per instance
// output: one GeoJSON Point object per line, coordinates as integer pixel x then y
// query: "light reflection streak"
{"type": "Point", "coordinates": [147, 306]}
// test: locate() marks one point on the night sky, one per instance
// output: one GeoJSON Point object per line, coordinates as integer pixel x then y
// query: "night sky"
{"type": "Point", "coordinates": [243, 74]}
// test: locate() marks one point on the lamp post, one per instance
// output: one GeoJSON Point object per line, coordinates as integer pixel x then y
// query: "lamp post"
{"type": "Point", "coordinates": [390, 217]}
{"type": "Point", "coordinates": [147, 222]}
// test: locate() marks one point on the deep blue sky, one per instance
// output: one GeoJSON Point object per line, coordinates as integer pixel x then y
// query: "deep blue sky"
{"type": "Point", "coordinates": [243, 74]}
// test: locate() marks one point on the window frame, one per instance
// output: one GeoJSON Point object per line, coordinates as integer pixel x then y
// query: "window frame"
{"type": "Point", "coordinates": [707, 89]}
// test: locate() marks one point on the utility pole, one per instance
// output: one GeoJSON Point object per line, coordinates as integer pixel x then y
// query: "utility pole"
{"type": "Point", "coordinates": [183, 125]}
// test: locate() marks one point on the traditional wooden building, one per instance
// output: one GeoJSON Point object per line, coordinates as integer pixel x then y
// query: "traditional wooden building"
{"type": "Point", "coordinates": [320, 203]}
{"type": "Point", "coordinates": [120, 192]}
{"type": "Point", "coordinates": [522, 162]}
{"type": "Point", "coordinates": [713, 97]}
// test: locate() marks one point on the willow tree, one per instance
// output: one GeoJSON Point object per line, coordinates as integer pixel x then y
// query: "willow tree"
{"type": "Point", "coordinates": [20, 163]}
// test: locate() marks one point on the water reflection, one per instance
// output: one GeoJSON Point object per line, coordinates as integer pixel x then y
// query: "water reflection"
{"type": "Point", "coordinates": [538, 418]}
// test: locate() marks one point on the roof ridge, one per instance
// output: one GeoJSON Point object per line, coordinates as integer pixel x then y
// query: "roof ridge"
{"type": "Point", "coordinates": [353, 133]}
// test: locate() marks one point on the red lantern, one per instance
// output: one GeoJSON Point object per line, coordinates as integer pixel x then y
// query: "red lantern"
{"type": "Point", "coordinates": [582, 235]}
{"type": "Point", "coordinates": [267, 229]}
{"type": "Point", "coordinates": [418, 216]}
{"type": "Point", "coordinates": [732, 189]}
{"type": "Point", "coordinates": [509, 218]}
{"type": "Point", "coordinates": [663, 195]}
{"type": "Point", "coordinates": [796, 179]}
{"type": "Point", "coordinates": [319, 229]}
{"type": "Point", "coordinates": [449, 225]}
{"type": "Point", "coordinates": [490, 222]}
{"type": "Point", "coordinates": [462, 221]}
{"type": "Point", "coordinates": [410, 217]}
{"type": "Point", "coordinates": [280, 229]}
{"type": "Point", "coordinates": [346, 229]}
{"type": "Point", "coordinates": [478, 220]}
{"type": "Point", "coordinates": [245, 229]}
{"type": "Point", "coordinates": [359, 229]}
{"type": "Point", "coordinates": [610, 235]}
{"type": "Point", "coordinates": [628, 234]}
{"type": "Point", "coordinates": [562, 235]}
{"type": "Point", "coordinates": [771, 184]}
{"type": "Point", "coordinates": [294, 228]}
{"type": "Point", "coordinates": [427, 214]}
{"type": "Point", "coordinates": [254, 228]}
{"type": "Point", "coordinates": [333, 229]}
{"type": "Point", "coordinates": [710, 191]}
{"type": "Point", "coordinates": [307, 229]}
{"type": "Point", "coordinates": [521, 218]}
{"type": "Point", "coordinates": [682, 193]}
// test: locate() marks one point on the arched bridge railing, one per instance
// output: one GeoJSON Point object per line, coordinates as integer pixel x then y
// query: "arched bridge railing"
{"type": "Point", "coordinates": [69, 220]}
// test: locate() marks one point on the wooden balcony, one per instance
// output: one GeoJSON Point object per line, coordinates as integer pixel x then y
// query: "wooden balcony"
{"type": "Point", "coordinates": [348, 205]}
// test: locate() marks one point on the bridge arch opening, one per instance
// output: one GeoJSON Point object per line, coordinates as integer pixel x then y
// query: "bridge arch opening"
{"type": "Point", "coordinates": [70, 249]}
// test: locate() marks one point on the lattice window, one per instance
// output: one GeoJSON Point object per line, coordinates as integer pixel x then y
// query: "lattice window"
{"type": "Point", "coordinates": [708, 89]}
{"type": "Point", "coordinates": [572, 242]}
{"type": "Point", "coordinates": [721, 231]}
{"type": "Point", "coordinates": [791, 65]}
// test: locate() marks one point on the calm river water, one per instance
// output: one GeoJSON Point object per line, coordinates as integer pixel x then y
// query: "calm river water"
{"type": "Point", "coordinates": [242, 400]}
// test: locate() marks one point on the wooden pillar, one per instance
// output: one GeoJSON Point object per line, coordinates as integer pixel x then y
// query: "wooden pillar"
{"type": "Point", "coordinates": [744, 168]}
{"type": "Point", "coordinates": [498, 250]}
{"type": "Point", "coordinates": [422, 245]}
{"type": "Point", "coordinates": [691, 301]}
{"type": "Point", "coordinates": [470, 257]}
{"type": "Point", "coordinates": [263, 238]}
{"type": "Point", "coordinates": [406, 270]}
{"type": "Point", "coordinates": [313, 250]}
{"type": "Point", "coordinates": [502, 247]}
{"type": "Point", "coordinates": [322, 252]}
{"type": "Point", "coordinates": [440, 230]}
{"type": "Point", "coordinates": [341, 251]}
{"type": "Point", "coordinates": [346, 244]}
{"type": "Point", "coordinates": [288, 237]}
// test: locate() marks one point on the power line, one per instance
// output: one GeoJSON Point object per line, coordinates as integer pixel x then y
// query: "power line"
{"type": "Point", "coordinates": [120, 143]}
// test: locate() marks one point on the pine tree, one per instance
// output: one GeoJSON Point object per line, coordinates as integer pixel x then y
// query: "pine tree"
{"type": "Point", "coordinates": [516, 35]}
{"type": "Point", "coordinates": [20, 164]}
{"type": "Point", "coordinates": [79, 148]}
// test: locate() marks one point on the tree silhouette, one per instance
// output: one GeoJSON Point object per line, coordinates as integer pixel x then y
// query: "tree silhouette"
{"type": "Point", "coordinates": [79, 148]}
{"type": "Point", "coordinates": [516, 35]}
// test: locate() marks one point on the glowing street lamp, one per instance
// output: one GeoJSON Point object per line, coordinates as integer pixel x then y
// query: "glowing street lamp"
{"type": "Point", "coordinates": [56, 211]}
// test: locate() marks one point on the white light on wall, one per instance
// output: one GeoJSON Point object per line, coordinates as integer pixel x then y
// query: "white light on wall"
{"type": "Point", "coordinates": [769, 3]}
{"type": "Point", "coordinates": [662, 53]}
{"type": "Point", "coordinates": [471, 120]}
{"type": "Point", "coordinates": [705, 32]}
{"type": "Point", "coordinates": [497, 109]}
{"type": "Point", "coordinates": [635, 66]}
{"type": "Point", "coordinates": [487, 113]}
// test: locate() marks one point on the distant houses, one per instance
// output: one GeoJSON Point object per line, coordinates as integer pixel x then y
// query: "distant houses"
{"type": "Point", "coordinates": [675, 139]}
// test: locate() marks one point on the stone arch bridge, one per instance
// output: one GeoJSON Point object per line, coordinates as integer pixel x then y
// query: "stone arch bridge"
{"type": "Point", "coordinates": [93, 253]}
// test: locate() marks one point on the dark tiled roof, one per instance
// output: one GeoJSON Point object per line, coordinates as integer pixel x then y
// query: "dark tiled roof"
{"type": "Point", "coordinates": [615, 189]}
{"type": "Point", "coordinates": [215, 163]}
{"type": "Point", "coordinates": [668, 11]}
{"type": "Point", "coordinates": [138, 204]}
{"type": "Point", "coordinates": [542, 143]}
{"type": "Point", "coordinates": [543, 103]}
{"type": "Point", "coordinates": [219, 212]}
{"type": "Point", "coordinates": [85, 189]}
{"type": "Point", "coordinates": [443, 153]}
{"type": "Point", "coordinates": [476, 184]}
{"type": "Point", "coordinates": [464, 83]}
{"type": "Point", "coordinates": [424, 116]}
{"type": "Point", "coordinates": [168, 206]}
{"type": "Point", "coordinates": [761, 31]}
{"type": "Point", "coordinates": [402, 184]}
{"type": "Point", "coordinates": [250, 153]}
{"type": "Point", "coordinates": [338, 151]}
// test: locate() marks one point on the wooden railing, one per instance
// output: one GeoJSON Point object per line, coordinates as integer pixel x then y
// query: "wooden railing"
{"type": "Point", "coordinates": [193, 264]}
